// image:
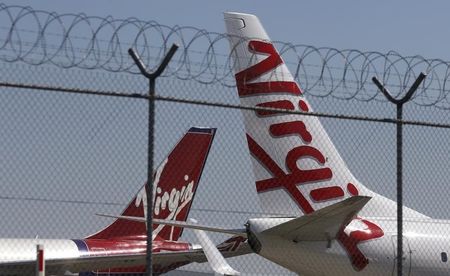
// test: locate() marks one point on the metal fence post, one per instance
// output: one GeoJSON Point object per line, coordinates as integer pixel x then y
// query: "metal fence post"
{"type": "Point", "coordinates": [399, 103]}
{"type": "Point", "coordinates": [151, 125]}
{"type": "Point", "coordinates": [40, 260]}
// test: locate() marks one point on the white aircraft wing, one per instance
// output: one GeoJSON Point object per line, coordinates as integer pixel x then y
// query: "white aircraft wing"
{"type": "Point", "coordinates": [321, 225]}
{"type": "Point", "coordinates": [183, 224]}
{"type": "Point", "coordinates": [238, 232]}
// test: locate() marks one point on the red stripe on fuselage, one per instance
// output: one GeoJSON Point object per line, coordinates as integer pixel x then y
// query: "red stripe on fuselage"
{"type": "Point", "coordinates": [120, 247]}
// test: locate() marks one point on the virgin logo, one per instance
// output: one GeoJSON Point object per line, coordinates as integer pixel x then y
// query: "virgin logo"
{"type": "Point", "coordinates": [169, 203]}
{"type": "Point", "coordinates": [170, 199]}
{"type": "Point", "coordinates": [296, 176]}
{"type": "Point", "coordinates": [141, 197]}
{"type": "Point", "coordinates": [358, 230]}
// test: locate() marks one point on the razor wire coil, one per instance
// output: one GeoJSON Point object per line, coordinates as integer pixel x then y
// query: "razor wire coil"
{"type": "Point", "coordinates": [39, 37]}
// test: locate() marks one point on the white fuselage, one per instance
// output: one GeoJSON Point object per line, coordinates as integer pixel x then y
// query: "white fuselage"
{"type": "Point", "coordinates": [78, 256]}
{"type": "Point", "coordinates": [425, 241]}
{"type": "Point", "coordinates": [13, 250]}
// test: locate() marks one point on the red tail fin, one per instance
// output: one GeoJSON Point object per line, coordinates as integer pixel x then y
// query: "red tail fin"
{"type": "Point", "coordinates": [175, 184]}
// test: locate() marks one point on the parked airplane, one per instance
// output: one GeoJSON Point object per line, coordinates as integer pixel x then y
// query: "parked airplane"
{"type": "Point", "coordinates": [337, 226]}
{"type": "Point", "coordinates": [120, 248]}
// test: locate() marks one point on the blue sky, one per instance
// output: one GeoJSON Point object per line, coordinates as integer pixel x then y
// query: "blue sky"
{"type": "Point", "coordinates": [409, 27]}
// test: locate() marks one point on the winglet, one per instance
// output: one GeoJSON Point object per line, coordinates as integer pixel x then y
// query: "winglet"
{"type": "Point", "coordinates": [215, 259]}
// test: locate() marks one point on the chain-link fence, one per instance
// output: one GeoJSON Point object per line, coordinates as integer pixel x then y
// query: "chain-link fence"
{"type": "Point", "coordinates": [74, 118]}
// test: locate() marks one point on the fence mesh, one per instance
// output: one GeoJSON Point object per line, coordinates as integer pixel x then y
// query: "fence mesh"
{"type": "Point", "coordinates": [65, 157]}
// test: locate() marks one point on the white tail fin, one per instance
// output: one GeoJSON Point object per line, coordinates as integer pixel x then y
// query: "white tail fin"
{"type": "Point", "coordinates": [296, 166]}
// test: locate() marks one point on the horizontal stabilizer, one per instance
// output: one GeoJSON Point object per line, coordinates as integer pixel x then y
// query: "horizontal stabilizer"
{"type": "Point", "coordinates": [239, 232]}
{"type": "Point", "coordinates": [182, 224]}
{"type": "Point", "coordinates": [321, 225]}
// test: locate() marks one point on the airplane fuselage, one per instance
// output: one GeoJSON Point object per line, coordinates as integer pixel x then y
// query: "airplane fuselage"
{"type": "Point", "coordinates": [23, 250]}
{"type": "Point", "coordinates": [426, 245]}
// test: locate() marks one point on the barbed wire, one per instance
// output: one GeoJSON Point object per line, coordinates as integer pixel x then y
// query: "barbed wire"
{"type": "Point", "coordinates": [39, 37]}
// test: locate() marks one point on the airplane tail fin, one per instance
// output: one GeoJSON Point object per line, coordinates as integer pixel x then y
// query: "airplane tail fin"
{"type": "Point", "coordinates": [174, 187]}
{"type": "Point", "coordinates": [296, 165]}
